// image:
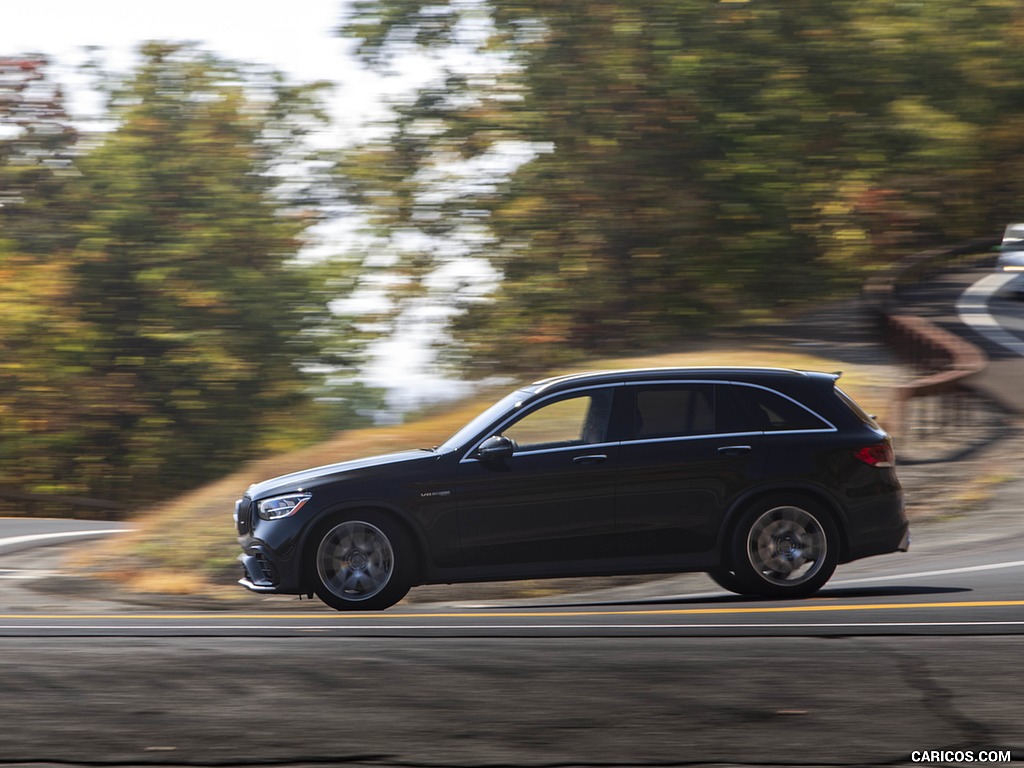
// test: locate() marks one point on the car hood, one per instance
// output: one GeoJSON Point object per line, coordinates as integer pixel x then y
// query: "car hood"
{"type": "Point", "coordinates": [315, 476]}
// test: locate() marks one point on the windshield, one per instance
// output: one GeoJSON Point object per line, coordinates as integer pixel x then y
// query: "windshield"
{"type": "Point", "coordinates": [482, 421]}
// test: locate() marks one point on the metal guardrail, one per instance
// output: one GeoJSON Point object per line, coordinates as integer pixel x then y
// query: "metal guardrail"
{"type": "Point", "coordinates": [940, 395]}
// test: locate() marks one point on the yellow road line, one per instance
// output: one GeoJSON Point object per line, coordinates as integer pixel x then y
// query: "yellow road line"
{"type": "Point", "coordinates": [803, 608]}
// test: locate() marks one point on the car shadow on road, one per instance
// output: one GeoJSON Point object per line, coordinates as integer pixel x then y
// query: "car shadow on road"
{"type": "Point", "coordinates": [840, 593]}
{"type": "Point", "coordinates": [894, 591]}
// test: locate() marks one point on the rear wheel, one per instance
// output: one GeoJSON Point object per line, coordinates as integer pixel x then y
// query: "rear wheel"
{"type": "Point", "coordinates": [362, 562]}
{"type": "Point", "coordinates": [784, 547]}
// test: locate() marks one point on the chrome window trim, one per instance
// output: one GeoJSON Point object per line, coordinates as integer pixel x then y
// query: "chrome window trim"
{"type": "Point", "coordinates": [690, 438]}
{"type": "Point", "coordinates": [723, 435]}
{"type": "Point", "coordinates": [830, 427]}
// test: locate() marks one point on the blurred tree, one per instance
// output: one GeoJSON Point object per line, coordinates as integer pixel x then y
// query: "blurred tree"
{"type": "Point", "coordinates": [37, 150]}
{"type": "Point", "coordinates": [37, 141]}
{"type": "Point", "coordinates": [695, 162]}
{"type": "Point", "coordinates": [185, 274]}
{"type": "Point", "coordinates": [164, 335]}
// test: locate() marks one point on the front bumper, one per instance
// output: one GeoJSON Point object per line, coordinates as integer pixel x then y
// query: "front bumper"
{"type": "Point", "coordinates": [258, 574]}
{"type": "Point", "coordinates": [269, 552]}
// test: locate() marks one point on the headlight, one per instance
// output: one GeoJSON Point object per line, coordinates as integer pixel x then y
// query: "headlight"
{"type": "Point", "coordinates": [282, 506]}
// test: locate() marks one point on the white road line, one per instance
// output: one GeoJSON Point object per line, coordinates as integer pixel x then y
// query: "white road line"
{"type": "Point", "coordinates": [848, 582]}
{"type": "Point", "coordinates": [972, 307]}
{"type": "Point", "coordinates": [39, 538]}
{"type": "Point", "coordinates": [929, 574]}
{"type": "Point", "coordinates": [24, 575]}
{"type": "Point", "coordinates": [406, 628]}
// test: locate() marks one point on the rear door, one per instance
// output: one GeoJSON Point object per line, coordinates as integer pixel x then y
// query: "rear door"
{"type": "Point", "coordinates": [692, 448]}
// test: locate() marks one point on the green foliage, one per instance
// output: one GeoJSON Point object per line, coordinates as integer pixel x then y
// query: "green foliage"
{"type": "Point", "coordinates": [37, 146]}
{"type": "Point", "coordinates": [161, 338]}
{"type": "Point", "coordinates": [696, 162]}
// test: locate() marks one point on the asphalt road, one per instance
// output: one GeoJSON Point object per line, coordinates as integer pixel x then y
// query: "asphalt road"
{"type": "Point", "coordinates": [899, 655]}
{"type": "Point", "coordinates": [962, 577]}
{"type": "Point", "coordinates": [571, 701]}
{"type": "Point", "coordinates": [21, 533]}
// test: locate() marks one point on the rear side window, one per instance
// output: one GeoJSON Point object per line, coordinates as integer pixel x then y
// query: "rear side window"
{"type": "Point", "coordinates": [774, 413]}
{"type": "Point", "coordinates": [672, 410]}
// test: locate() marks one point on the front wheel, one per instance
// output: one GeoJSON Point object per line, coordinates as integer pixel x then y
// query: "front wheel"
{"type": "Point", "coordinates": [726, 579]}
{"type": "Point", "coordinates": [784, 547]}
{"type": "Point", "coordinates": [362, 562]}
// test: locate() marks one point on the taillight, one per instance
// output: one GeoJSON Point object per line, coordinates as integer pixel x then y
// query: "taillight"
{"type": "Point", "coordinates": [877, 455]}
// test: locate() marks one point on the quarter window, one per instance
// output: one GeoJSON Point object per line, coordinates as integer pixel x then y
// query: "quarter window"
{"type": "Point", "coordinates": [775, 413]}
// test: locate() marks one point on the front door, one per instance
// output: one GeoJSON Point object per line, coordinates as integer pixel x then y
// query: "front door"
{"type": "Point", "coordinates": [549, 507]}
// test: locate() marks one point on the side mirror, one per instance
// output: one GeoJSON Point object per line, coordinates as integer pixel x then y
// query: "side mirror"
{"type": "Point", "coordinates": [495, 448]}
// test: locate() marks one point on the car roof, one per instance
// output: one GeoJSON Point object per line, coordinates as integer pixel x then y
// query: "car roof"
{"type": "Point", "coordinates": [750, 374]}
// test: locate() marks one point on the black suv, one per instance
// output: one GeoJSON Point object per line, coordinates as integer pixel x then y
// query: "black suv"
{"type": "Point", "coordinates": [766, 479]}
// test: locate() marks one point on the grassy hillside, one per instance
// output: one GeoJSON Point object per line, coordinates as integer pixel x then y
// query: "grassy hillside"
{"type": "Point", "coordinates": [187, 545]}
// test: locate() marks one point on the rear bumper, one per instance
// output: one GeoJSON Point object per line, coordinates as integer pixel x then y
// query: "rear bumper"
{"type": "Point", "coordinates": [877, 526]}
{"type": "Point", "coordinates": [895, 539]}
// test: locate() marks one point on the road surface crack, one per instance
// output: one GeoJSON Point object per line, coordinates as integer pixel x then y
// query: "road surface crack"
{"type": "Point", "coordinates": [941, 702]}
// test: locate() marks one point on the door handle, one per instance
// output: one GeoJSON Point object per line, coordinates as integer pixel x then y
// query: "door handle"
{"type": "Point", "coordinates": [595, 458]}
{"type": "Point", "coordinates": [734, 450]}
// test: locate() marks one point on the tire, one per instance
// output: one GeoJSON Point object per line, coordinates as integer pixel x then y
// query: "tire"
{"type": "Point", "coordinates": [362, 561]}
{"type": "Point", "coordinates": [784, 547]}
{"type": "Point", "coordinates": [727, 580]}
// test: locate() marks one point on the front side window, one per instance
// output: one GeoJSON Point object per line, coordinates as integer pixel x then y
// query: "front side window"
{"type": "Point", "coordinates": [567, 422]}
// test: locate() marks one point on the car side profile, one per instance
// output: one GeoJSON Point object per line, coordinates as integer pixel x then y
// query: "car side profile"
{"type": "Point", "coordinates": [766, 479]}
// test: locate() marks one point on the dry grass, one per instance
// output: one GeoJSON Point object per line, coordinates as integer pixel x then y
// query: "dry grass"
{"type": "Point", "coordinates": [187, 546]}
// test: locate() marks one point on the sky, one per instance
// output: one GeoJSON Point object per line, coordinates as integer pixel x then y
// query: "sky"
{"type": "Point", "coordinates": [295, 37]}
{"type": "Point", "coordinates": [259, 30]}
